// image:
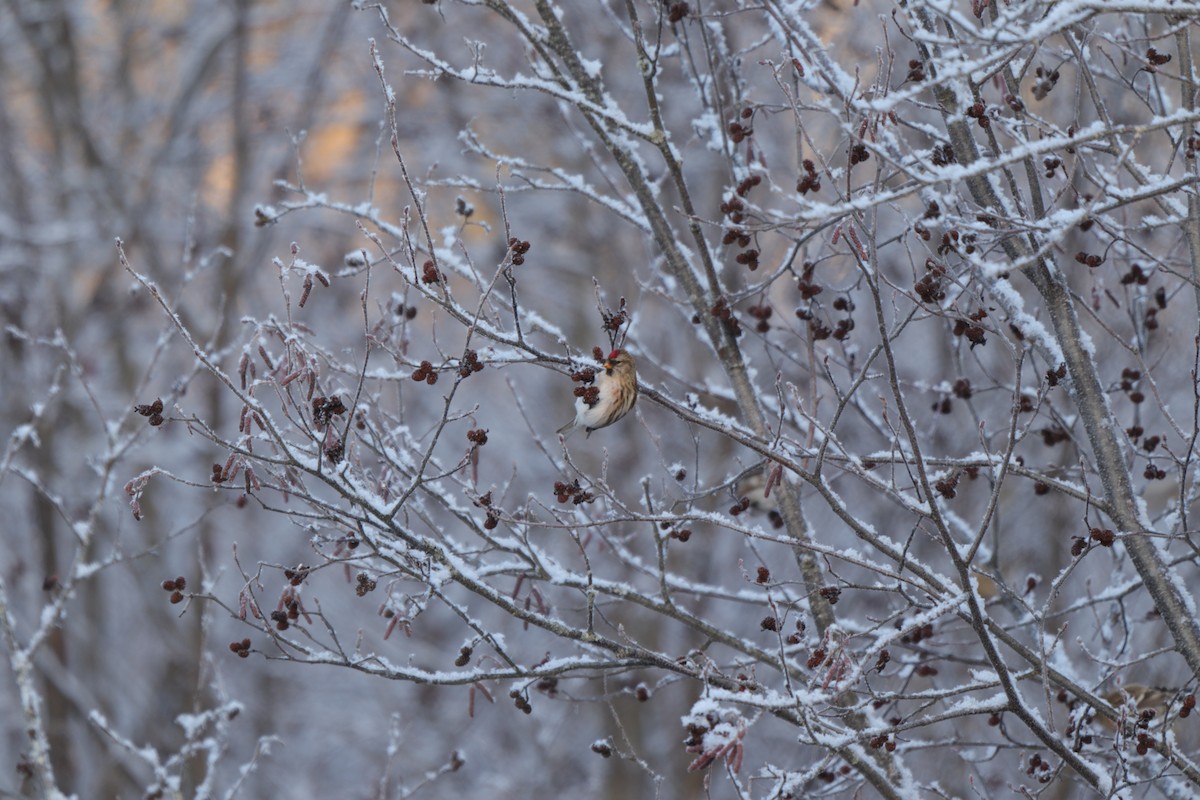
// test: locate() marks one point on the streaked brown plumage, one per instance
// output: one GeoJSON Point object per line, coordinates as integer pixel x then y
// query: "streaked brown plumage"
{"type": "Point", "coordinates": [617, 385]}
{"type": "Point", "coordinates": [1145, 698]}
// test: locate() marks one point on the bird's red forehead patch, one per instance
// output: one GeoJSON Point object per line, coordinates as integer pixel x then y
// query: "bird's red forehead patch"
{"type": "Point", "coordinates": [613, 355]}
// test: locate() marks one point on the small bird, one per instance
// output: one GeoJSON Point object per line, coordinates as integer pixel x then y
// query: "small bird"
{"type": "Point", "coordinates": [752, 485]}
{"type": "Point", "coordinates": [616, 393]}
{"type": "Point", "coordinates": [1157, 700]}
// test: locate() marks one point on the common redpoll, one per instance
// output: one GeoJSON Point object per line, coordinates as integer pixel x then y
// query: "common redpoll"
{"type": "Point", "coordinates": [757, 488]}
{"type": "Point", "coordinates": [752, 485]}
{"type": "Point", "coordinates": [1147, 698]}
{"type": "Point", "coordinates": [616, 392]}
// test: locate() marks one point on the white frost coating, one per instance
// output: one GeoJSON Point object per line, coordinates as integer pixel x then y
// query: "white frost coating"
{"type": "Point", "coordinates": [300, 265]}
{"type": "Point", "coordinates": [1174, 576]}
{"type": "Point", "coordinates": [147, 753]}
{"type": "Point", "coordinates": [439, 576]}
{"type": "Point", "coordinates": [192, 724]}
{"type": "Point", "coordinates": [977, 705]}
{"type": "Point", "coordinates": [26, 433]}
{"type": "Point", "coordinates": [49, 616]}
{"type": "Point", "coordinates": [450, 238]}
{"type": "Point", "coordinates": [984, 676]}
{"type": "Point", "coordinates": [608, 111]}
{"type": "Point", "coordinates": [714, 417]}
{"type": "Point", "coordinates": [708, 129]}
{"type": "Point", "coordinates": [528, 176]}
{"type": "Point", "coordinates": [1013, 304]}
{"type": "Point", "coordinates": [883, 542]}
{"type": "Point", "coordinates": [1089, 347]}
{"type": "Point", "coordinates": [532, 321]}
{"type": "Point", "coordinates": [700, 710]}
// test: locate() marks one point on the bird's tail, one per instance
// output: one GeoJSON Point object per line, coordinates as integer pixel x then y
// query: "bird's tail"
{"type": "Point", "coordinates": [567, 430]}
